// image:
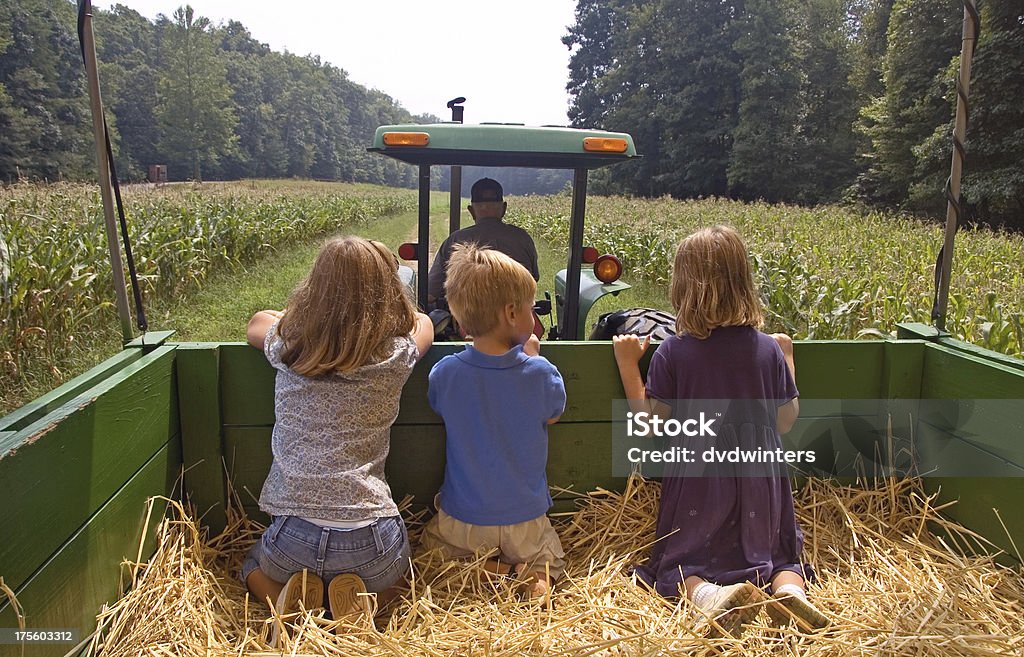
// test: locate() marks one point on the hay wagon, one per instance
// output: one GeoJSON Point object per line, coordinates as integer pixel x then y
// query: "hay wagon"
{"type": "Point", "coordinates": [169, 419]}
{"type": "Point", "coordinates": [77, 465]}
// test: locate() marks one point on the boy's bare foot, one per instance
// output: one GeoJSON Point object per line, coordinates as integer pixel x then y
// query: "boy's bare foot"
{"type": "Point", "coordinates": [494, 571]}
{"type": "Point", "coordinates": [539, 589]}
{"type": "Point", "coordinates": [535, 585]}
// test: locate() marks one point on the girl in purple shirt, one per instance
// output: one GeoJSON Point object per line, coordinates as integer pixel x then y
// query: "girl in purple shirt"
{"type": "Point", "coordinates": [720, 539]}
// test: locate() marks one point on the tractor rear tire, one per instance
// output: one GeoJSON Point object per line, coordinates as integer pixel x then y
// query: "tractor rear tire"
{"type": "Point", "coordinates": [658, 324]}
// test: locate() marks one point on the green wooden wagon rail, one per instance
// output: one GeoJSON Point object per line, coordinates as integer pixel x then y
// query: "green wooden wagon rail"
{"type": "Point", "coordinates": [77, 465]}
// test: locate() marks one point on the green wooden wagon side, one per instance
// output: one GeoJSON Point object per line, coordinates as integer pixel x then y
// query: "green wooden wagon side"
{"type": "Point", "coordinates": [77, 465]}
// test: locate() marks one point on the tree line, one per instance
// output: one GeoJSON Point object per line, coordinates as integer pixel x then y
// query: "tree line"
{"type": "Point", "coordinates": [804, 101]}
{"type": "Point", "coordinates": [801, 101]}
{"type": "Point", "coordinates": [208, 101]}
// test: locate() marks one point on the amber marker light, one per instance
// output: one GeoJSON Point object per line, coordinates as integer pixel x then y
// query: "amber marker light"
{"type": "Point", "coordinates": [406, 139]}
{"type": "Point", "coordinates": [604, 145]}
{"type": "Point", "coordinates": [607, 268]}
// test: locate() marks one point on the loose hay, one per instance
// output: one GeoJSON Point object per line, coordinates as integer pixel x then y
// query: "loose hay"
{"type": "Point", "coordinates": [890, 585]}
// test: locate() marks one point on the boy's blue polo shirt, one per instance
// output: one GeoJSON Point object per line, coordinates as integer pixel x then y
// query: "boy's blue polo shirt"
{"type": "Point", "coordinates": [495, 411]}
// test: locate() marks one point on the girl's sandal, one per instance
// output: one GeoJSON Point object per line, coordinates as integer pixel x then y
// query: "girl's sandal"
{"type": "Point", "coordinates": [349, 600]}
{"type": "Point", "coordinates": [731, 609]}
{"type": "Point", "coordinates": [784, 609]}
{"type": "Point", "coordinates": [302, 591]}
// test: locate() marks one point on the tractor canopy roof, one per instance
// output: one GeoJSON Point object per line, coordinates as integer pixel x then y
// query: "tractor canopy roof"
{"type": "Point", "coordinates": [503, 144]}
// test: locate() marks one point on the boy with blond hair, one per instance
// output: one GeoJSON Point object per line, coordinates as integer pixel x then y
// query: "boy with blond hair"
{"type": "Point", "coordinates": [497, 398]}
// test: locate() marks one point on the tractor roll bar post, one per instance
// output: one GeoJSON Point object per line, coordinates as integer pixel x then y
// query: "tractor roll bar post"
{"type": "Point", "coordinates": [455, 174]}
{"type": "Point", "coordinates": [455, 199]}
{"type": "Point", "coordinates": [423, 241]}
{"type": "Point", "coordinates": [572, 278]}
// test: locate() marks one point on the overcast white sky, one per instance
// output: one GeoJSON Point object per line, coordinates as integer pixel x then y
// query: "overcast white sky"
{"type": "Point", "coordinates": [505, 56]}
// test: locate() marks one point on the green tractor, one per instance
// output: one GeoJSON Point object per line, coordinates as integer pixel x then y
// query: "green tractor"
{"type": "Point", "coordinates": [588, 276]}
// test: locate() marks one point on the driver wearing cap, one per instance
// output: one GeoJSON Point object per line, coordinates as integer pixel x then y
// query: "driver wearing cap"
{"type": "Point", "coordinates": [487, 206]}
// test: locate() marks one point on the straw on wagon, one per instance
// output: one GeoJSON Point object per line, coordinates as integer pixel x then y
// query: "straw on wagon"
{"type": "Point", "coordinates": [895, 577]}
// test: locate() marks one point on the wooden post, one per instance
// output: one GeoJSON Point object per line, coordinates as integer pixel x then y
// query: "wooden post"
{"type": "Point", "coordinates": [106, 193]}
{"type": "Point", "coordinates": [953, 210]}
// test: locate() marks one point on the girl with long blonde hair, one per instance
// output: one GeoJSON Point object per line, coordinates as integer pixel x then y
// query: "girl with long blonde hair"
{"type": "Point", "coordinates": [342, 349]}
{"type": "Point", "coordinates": [724, 535]}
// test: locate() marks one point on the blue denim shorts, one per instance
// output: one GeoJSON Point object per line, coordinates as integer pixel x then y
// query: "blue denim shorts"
{"type": "Point", "coordinates": [378, 553]}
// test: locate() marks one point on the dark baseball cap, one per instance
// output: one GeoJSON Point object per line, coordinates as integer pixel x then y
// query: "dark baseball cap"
{"type": "Point", "coordinates": [486, 190]}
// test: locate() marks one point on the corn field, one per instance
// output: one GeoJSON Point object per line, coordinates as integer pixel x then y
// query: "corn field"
{"type": "Point", "coordinates": [56, 284]}
{"type": "Point", "coordinates": [825, 273]}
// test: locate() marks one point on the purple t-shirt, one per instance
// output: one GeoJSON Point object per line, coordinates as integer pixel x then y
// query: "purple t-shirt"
{"type": "Point", "coordinates": [734, 362]}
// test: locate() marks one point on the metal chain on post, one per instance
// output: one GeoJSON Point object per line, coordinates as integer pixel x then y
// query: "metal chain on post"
{"type": "Point", "coordinates": [954, 209]}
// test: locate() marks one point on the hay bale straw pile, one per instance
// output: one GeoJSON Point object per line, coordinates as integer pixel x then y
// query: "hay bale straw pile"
{"type": "Point", "coordinates": [889, 584]}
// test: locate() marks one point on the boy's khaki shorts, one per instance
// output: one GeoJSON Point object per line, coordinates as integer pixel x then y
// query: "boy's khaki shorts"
{"type": "Point", "coordinates": [533, 542]}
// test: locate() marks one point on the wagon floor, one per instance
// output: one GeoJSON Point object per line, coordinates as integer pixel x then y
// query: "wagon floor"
{"type": "Point", "coordinates": [887, 583]}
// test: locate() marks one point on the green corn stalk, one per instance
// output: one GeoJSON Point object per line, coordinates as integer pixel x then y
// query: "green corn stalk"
{"type": "Point", "coordinates": [57, 289]}
{"type": "Point", "coordinates": [824, 273]}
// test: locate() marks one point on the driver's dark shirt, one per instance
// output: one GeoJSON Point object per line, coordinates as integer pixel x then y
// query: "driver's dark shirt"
{"type": "Point", "coordinates": [513, 241]}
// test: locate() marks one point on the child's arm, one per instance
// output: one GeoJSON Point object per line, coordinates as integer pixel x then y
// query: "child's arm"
{"type": "Point", "coordinates": [788, 412]}
{"type": "Point", "coordinates": [787, 415]}
{"type": "Point", "coordinates": [422, 334]}
{"type": "Point", "coordinates": [628, 352]}
{"type": "Point", "coordinates": [532, 348]}
{"type": "Point", "coordinates": [256, 331]}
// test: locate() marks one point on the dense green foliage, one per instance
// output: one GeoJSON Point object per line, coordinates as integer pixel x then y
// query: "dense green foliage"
{"type": "Point", "coordinates": [825, 273]}
{"type": "Point", "coordinates": [810, 101]}
{"type": "Point", "coordinates": [58, 291]}
{"type": "Point", "coordinates": [197, 119]}
{"type": "Point", "coordinates": [208, 101]}
{"type": "Point", "coordinates": [806, 102]}
{"type": "Point", "coordinates": [44, 110]}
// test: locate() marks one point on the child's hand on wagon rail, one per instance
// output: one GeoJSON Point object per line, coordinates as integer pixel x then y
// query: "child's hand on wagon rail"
{"type": "Point", "coordinates": [628, 352]}
{"type": "Point", "coordinates": [628, 348]}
